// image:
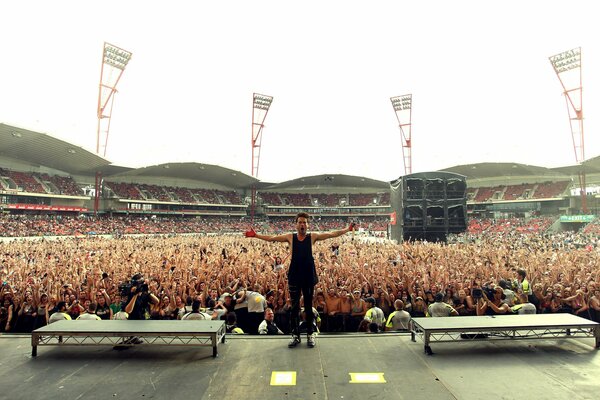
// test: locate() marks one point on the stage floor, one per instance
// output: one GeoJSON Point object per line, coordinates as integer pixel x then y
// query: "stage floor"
{"type": "Point", "coordinates": [389, 365]}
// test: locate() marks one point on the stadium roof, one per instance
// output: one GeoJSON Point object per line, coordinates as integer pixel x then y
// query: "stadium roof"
{"type": "Point", "coordinates": [193, 171]}
{"type": "Point", "coordinates": [492, 170]}
{"type": "Point", "coordinates": [41, 149]}
{"type": "Point", "coordinates": [44, 150]}
{"type": "Point", "coordinates": [329, 182]}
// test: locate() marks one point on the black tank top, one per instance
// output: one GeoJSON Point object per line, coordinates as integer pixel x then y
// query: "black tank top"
{"type": "Point", "coordinates": [302, 270]}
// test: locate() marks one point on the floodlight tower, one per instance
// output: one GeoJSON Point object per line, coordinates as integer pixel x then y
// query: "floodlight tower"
{"type": "Point", "coordinates": [114, 61]}
{"type": "Point", "coordinates": [567, 66]}
{"type": "Point", "coordinates": [260, 107]}
{"type": "Point", "coordinates": [403, 109]}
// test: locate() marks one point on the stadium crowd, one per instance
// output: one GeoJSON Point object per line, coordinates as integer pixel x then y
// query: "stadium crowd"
{"type": "Point", "coordinates": [226, 275]}
{"type": "Point", "coordinates": [44, 225]}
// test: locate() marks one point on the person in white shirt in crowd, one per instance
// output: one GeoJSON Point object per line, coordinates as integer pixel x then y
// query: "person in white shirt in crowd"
{"type": "Point", "coordinates": [60, 314]}
{"type": "Point", "coordinates": [89, 314]}
{"type": "Point", "coordinates": [268, 327]}
{"type": "Point", "coordinates": [196, 314]}
{"type": "Point", "coordinates": [441, 309]}
{"type": "Point", "coordinates": [374, 313]}
{"type": "Point", "coordinates": [398, 320]}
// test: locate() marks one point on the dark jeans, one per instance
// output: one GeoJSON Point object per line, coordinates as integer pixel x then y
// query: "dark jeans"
{"type": "Point", "coordinates": [307, 292]}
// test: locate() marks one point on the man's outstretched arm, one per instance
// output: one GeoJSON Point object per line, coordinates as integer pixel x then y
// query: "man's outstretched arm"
{"type": "Point", "coordinates": [269, 238]}
{"type": "Point", "coordinates": [333, 234]}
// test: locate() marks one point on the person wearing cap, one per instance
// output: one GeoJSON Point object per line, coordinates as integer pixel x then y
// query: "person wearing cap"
{"type": "Point", "coordinates": [374, 313]}
{"type": "Point", "coordinates": [399, 319]}
{"type": "Point", "coordinates": [441, 309]}
{"type": "Point", "coordinates": [418, 308]}
{"type": "Point", "coordinates": [357, 312]}
{"type": "Point", "coordinates": [302, 273]}
{"type": "Point", "coordinates": [523, 283]}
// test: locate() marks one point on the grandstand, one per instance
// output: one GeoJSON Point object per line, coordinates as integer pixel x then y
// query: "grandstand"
{"type": "Point", "coordinates": [40, 174]}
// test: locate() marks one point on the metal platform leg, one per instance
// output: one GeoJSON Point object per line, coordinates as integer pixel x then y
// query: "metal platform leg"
{"type": "Point", "coordinates": [426, 346]}
{"type": "Point", "coordinates": [215, 341]}
{"type": "Point", "coordinates": [34, 342]}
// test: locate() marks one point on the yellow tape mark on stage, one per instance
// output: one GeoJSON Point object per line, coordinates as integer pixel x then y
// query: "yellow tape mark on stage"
{"type": "Point", "coordinates": [367, 377]}
{"type": "Point", "coordinates": [283, 378]}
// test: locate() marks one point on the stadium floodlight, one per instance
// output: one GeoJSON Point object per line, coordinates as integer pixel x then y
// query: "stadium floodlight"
{"type": "Point", "coordinates": [114, 61]}
{"type": "Point", "coordinates": [566, 60]}
{"type": "Point", "coordinates": [567, 66]}
{"type": "Point", "coordinates": [403, 109]}
{"type": "Point", "coordinates": [116, 57]}
{"type": "Point", "coordinates": [260, 107]}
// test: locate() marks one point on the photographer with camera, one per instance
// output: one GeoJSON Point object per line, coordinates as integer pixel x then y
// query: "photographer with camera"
{"type": "Point", "coordinates": [138, 304]}
{"type": "Point", "coordinates": [493, 306]}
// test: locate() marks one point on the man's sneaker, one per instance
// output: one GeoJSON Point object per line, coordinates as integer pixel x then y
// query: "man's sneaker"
{"type": "Point", "coordinates": [310, 340]}
{"type": "Point", "coordinates": [294, 341]}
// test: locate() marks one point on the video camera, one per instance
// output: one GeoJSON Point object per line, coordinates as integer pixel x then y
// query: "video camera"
{"type": "Point", "coordinates": [137, 281]}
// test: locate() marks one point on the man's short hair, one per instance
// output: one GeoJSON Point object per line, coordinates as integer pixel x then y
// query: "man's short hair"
{"type": "Point", "coordinates": [196, 306]}
{"type": "Point", "coordinates": [399, 304]}
{"type": "Point", "coordinates": [302, 215]}
{"type": "Point", "coordinates": [370, 300]}
{"type": "Point", "coordinates": [231, 318]}
{"type": "Point", "coordinates": [439, 297]}
{"type": "Point", "coordinates": [60, 305]}
{"type": "Point", "coordinates": [521, 272]}
{"type": "Point", "coordinates": [373, 328]}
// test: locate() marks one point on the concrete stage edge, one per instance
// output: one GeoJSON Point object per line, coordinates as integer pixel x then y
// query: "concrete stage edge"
{"type": "Point", "coordinates": [549, 369]}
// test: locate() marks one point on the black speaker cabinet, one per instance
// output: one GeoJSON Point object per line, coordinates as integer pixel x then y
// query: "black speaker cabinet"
{"type": "Point", "coordinates": [428, 206]}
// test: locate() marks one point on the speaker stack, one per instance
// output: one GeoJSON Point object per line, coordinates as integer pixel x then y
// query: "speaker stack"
{"type": "Point", "coordinates": [428, 206]}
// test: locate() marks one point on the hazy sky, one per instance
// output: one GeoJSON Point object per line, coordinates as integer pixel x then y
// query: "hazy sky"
{"type": "Point", "coordinates": [483, 87]}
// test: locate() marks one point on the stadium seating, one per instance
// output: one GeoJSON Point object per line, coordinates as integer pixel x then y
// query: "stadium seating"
{"type": "Point", "coordinates": [27, 182]}
{"type": "Point", "coordinates": [518, 192]}
{"type": "Point", "coordinates": [270, 198]}
{"type": "Point", "coordinates": [125, 190]}
{"type": "Point", "coordinates": [548, 190]}
{"type": "Point", "coordinates": [484, 194]}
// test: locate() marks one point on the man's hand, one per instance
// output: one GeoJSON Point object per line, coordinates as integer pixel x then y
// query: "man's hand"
{"type": "Point", "coordinates": [250, 233]}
